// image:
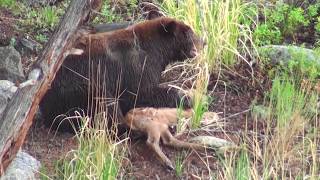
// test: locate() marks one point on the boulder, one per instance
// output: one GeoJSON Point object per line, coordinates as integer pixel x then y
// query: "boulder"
{"type": "Point", "coordinates": [37, 3]}
{"type": "Point", "coordinates": [211, 141]}
{"type": "Point", "coordinates": [7, 90]}
{"type": "Point", "coordinates": [26, 45]}
{"type": "Point", "coordinates": [22, 167]}
{"type": "Point", "coordinates": [10, 64]}
{"type": "Point", "coordinates": [280, 54]}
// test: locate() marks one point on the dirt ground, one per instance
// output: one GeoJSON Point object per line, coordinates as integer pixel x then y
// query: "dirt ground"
{"type": "Point", "coordinates": [232, 97]}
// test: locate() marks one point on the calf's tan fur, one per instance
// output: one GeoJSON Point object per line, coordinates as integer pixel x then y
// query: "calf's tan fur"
{"type": "Point", "coordinates": [155, 122]}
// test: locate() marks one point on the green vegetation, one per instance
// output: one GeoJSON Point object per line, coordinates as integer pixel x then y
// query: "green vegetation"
{"type": "Point", "coordinates": [218, 22]}
{"type": "Point", "coordinates": [114, 11]}
{"type": "Point", "coordinates": [7, 3]}
{"type": "Point", "coordinates": [36, 21]}
{"type": "Point", "coordinates": [98, 156]}
{"type": "Point", "coordinates": [107, 14]}
{"type": "Point", "coordinates": [43, 19]}
{"type": "Point", "coordinates": [284, 21]}
{"type": "Point", "coordinates": [179, 160]}
{"type": "Point", "coordinates": [41, 38]}
{"type": "Point", "coordinates": [288, 147]}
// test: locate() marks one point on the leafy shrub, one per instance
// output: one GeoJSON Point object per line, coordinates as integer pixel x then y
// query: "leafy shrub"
{"type": "Point", "coordinates": [7, 3]}
{"type": "Point", "coordinates": [317, 25]}
{"type": "Point", "coordinates": [264, 34]}
{"type": "Point", "coordinates": [284, 21]}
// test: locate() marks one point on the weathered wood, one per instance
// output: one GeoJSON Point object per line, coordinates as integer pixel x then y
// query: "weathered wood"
{"type": "Point", "coordinates": [19, 113]}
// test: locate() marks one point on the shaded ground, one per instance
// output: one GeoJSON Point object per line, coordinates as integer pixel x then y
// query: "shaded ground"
{"type": "Point", "coordinates": [7, 30]}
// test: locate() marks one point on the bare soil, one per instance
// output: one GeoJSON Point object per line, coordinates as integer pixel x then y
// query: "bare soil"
{"type": "Point", "coordinates": [7, 30]}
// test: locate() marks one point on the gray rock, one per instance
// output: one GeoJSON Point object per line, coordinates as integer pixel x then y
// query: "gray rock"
{"type": "Point", "coordinates": [3, 104]}
{"type": "Point", "coordinates": [36, 3]}
{"type": "Point", "coordinates": [7, 90]}
{"type": "Point", "coordinates": [27, 46]}
{"type": "Point", "coordinates": [279, 54]}
{"type": "Point", "coordinates": [10, 64]}
{"type": "Point", "coordinates": [211, 141]}
{"type": "Point", "coordinates": [22, 167]}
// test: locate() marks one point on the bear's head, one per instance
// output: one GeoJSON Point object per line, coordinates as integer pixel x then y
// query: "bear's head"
{"type": "Point", "coordinates": [181, 40]}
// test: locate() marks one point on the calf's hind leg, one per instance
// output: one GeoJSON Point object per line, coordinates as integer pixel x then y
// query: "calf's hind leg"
{"type": "Point", "coordinates": [153, 142]}
{"type": "Point", "coordinates": [170, 140]}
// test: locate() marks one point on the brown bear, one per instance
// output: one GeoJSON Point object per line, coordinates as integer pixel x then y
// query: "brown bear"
{"type": "Point", "coordinates": [121, 69]}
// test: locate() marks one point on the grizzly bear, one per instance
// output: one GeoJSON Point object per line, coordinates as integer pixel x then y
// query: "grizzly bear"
{"type": "Point", "coordinates": [120, 70]}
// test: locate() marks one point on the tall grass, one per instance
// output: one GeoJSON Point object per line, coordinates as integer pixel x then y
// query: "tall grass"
{"type": "Point", "coordinates": [200, 99]}
{"type": "Point", "coordinates": [292, 110]}
{"type": "Point", "coordinates": [285, 148]}
{"type": "Point", "coordinates": [214, 20]}
{"type": "Point", "coordinates": [218, 23]}
{"type": "Point", "coordinates": [98, 155]}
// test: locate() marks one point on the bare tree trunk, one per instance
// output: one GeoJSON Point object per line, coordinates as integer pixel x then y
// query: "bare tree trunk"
{"type": "Point", "coordinates": [19, 113]}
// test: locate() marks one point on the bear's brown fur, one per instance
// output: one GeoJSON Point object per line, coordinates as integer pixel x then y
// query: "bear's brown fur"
{"type": "Point", "coordinates": [124, 66]}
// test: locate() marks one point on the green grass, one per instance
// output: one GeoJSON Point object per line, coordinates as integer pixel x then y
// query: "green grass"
{"type": "Point", "coordinates": [236, 166]}
{"type": "Point", "coordinates": [287, 148]}
{"type": "Point", "coordinates": [107, 13]}
{"type": "Point", "coordinates": [116, 11]}
{"type": "Point", "coordinates": [218, 22]}
{"type": "Point", "coordinates": [41, 38]}
{"type": "Point", "coordinates": [179, 160]}
{"type": "Point", "coordinates": [293, 109]}
{"type": "Point", "coordinates": [35, 21]}
{"type": "Point", "coordinates": [242, 167]}
{"type": "Point", "coordinates": [7, 3]}
{"type": "Point", "coordinates": [98, 155]}
{"type": "Point", "coordinates": [49, 16]}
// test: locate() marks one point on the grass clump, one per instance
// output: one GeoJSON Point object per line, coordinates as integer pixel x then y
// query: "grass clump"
{"type": "Point", "coordinates": [179, 166]}
{"type": "Point", "coordinates": [7, 3]}
{"type": "Point", "coordinates": [293, 109]}
{"type": "Point", "coordinates": [98, 156]}
{"type": "Point", "coordinates": [44, 18]}
{"type": "Point", "coordinates": [38, 22]}
{"type": "Point", "coordinates": [117, 11]}
{"type": "Point", "coordinates": [108, 13]}
{"type": "Point", "coordinates": [49, 17]}
{"type": "Point", "coordinates": [218, 22]}
{"type": "Point", "coordinates": [284, 148]}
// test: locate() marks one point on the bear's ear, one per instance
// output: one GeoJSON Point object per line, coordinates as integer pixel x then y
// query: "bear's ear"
{"type": "Point", "coordinates": [170, 27]}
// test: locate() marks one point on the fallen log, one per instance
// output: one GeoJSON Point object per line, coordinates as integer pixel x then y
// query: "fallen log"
{"type": "Point", "coordinates": [18, 116]}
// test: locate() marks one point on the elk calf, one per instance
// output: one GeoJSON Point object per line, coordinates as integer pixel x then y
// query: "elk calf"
{"type": "Point", "coordinates": [155, 122]}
